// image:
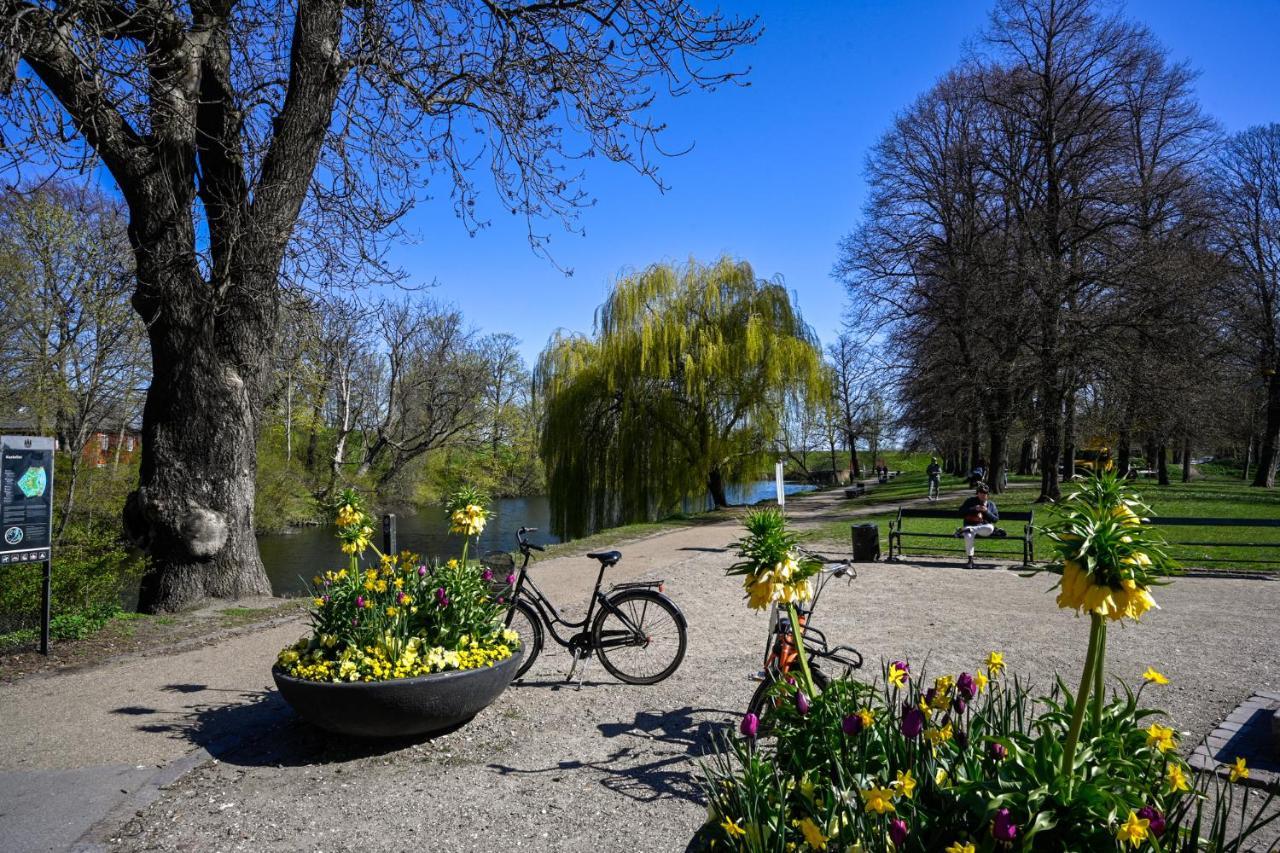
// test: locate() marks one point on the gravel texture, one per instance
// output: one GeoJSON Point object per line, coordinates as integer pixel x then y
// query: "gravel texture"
{"type": "Point", "coordinates": [615, 767]}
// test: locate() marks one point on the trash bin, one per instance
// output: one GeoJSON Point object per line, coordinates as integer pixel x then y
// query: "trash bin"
{"type": "Point", "coordinates": [866, 543]}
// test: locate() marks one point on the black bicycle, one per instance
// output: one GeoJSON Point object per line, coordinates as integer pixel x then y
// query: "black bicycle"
{"type": "Point", "coordinates": [780, 655]}
{"type": "Point", "coordinates": [639, 634]}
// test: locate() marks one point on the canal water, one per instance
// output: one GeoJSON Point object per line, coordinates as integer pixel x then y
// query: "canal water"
{"type": "Point", "coordinates": [294, 557]}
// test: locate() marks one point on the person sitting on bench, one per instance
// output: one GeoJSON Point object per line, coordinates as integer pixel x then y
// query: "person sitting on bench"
{"type": "Point", "coordinates": [980, 517]}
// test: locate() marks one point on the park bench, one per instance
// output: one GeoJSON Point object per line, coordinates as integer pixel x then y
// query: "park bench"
{"type": "Point", "coordinates": [856, 490]}
{"type": "Point", "coordinates": [897, 531]}
{"type": "Point", "coordinates": [1273, 556]}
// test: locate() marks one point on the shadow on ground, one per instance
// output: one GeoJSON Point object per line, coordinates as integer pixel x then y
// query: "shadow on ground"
{"type": "Point", "coordinates": [654, 759]}
{"type": "Point", "coordinates": [258, 728]}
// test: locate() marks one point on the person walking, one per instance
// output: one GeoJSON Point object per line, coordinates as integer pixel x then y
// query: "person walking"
{"type": "Point", "coordinates": [935, 478]}
{"type": "Point", "coordinates": [980, 517]}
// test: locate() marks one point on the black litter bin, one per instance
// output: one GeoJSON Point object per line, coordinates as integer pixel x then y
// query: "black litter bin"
{"type": "Point", "coordinates": [866, 543]}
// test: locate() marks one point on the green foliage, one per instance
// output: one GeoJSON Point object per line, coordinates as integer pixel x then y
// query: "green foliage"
{"type": "Point", "coordinates": [282, 497]}
{"type": "Point", "coordinates": [91, 569]}
{"type": "Point", "coordinates": [681, 384]}
{"type": "Point", "coordinates": [947, 759]}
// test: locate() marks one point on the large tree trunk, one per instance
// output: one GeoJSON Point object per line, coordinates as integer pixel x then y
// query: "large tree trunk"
{"type": "Point", "coordinates": [193, 510]}
{"type": "Point", "coordinates": [1162, 466]}
{"type": "Point", "coordinates": [1026, 456]}
{"type": "Point", "coordinates": [998, 435]}
{"type": "Point", "coordinates": [1050, 443]}
{"type": "Point", "coordinates": [1186, 460]}
{"type": "Point", "coordinates": [715, 485]}
{"type": "Point", "coordinates": [1265, 474]}
{"type": "Point", "coordinates": [1069, 435]}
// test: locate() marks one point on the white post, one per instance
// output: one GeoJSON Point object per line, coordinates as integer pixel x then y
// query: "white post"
{"type": "Point", "coordinates": [777, 477]}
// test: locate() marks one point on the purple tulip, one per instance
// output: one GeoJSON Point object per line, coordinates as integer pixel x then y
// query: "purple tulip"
{"type": "Point", "coordinates": [442, 598]}
{"type": "Point", "coordinates": [851, 725]}
{"type": "Point", "coordinates": [422, 571]}
{"type": "Point", "coordinates": [487, 575]}
{"type": "Point", "coordinates": [1003, 828]}
{"type": "Point", "coordinates": [326, 599]}
{"type": "Point", "coordinates": [802, 703]}
{"type": "Point", "coordinates": [930, 695]}
{"type": "Point", "coordinates": [997, 751]}
{"type": "Point", "coordinates": [961, 738]}
{"type": "Point", "coordinates": [898, 831]}
{"type": "Point", "coordinates": [750, 726]}
{"type": "Point", "coordinates": [912, 721]}
{"type": "Point", "coordinates": [502, 599]}
{"type": "Point", "coordinates": [966, 686]}
{"type": "Point", "coordinates": [959, 705]}
{"type": "Point", "coordinates": [400, 597]}
{"type": "Point", "coordinates": [511, 580]}
{"type": "Point", "coordinates": [355, 623]}
{"type": "Point", "coordinates": [1156, 820]}
{"type": "Point", "coordinates": [360, 602]}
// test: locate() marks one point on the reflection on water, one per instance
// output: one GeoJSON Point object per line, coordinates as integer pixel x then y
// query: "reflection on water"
{"type": "Point", "coordinates": [293, 558]}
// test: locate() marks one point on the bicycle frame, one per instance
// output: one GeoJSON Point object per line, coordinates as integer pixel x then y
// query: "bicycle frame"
{"type": "Point", "coordinates": [526, 590]}
{"type": "Point", "coordinates": [780, 649]}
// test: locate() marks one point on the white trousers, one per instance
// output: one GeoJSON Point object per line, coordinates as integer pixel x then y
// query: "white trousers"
{"type": "Point", "coordinates": [974, 530]}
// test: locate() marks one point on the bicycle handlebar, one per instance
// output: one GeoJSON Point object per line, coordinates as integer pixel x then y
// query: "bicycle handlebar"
{"type": "Point", "coordinates": [522, 538]}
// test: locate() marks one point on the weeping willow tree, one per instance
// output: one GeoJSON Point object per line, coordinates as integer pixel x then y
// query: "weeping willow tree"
{"type": "Point", "coordinates": [679, 392]}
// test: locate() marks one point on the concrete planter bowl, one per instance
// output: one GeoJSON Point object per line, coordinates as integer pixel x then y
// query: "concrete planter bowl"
{"type": "Point", "coordinates": [400, 707]}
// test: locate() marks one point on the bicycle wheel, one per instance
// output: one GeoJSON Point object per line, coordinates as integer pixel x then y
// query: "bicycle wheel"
{"type": "Point", "coordinates": [524, 620]}
{"type": "Point", "coordinates": [765, 699]}
{"type": "Point", "coordinates": [641, 639]}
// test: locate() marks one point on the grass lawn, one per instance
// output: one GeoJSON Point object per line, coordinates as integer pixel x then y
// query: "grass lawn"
{"type": "Point", "coordinates": [1213, 497]}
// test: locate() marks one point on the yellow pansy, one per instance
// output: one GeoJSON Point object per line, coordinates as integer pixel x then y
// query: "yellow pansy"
{"type": "Point", "coordinates": [897, 675]}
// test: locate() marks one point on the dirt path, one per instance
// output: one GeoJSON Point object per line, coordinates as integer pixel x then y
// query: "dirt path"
{"type": "Point", "coordinates": [195, 750]}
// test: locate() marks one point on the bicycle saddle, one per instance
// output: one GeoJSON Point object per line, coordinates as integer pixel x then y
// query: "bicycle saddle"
{"type": "Point", "coordinates": [607, 558]}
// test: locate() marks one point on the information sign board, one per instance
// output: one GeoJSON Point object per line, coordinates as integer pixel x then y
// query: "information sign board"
{"type": "Point", "coordinates": [26, 503]}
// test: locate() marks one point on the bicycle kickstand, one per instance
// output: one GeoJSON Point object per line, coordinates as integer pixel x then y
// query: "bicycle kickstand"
{"type": "Point", "coordinates": [578, 658]}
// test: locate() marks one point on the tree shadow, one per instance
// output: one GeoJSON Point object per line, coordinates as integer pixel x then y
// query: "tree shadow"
{"type": "Point", "coordinates": [639, 769]}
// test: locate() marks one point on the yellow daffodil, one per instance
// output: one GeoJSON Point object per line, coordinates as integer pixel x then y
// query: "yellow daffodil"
{"type": "Point", "coordinates": [878, 800]}
{"type": "Point", "coordinates": [732, 829]}
{"type": "Point", "coordinates": [1239, 770]}
{"type": "Point", "coordinates": [961, 847]}
{"type": "Point", "coordinates": [1134, 830]}
{"type": "Point", "coordinates": [812, 834]}
{"type": "Point", "coordinates": [1161, 737]}
{"type": "Point", "coordinates": [980, 679]}
{"type": "Point", "coordinates": [905, 784]}
{"type": "Point", "coordinates": [897, 675]}
{"type": "Point", "coordinates": [318, 602]}
{"type": "Point", "coordinates": [1154, 677]}
{"type": "Point", "coordinates": [942, 778]}
{"type": "Point", "coordinates": [1175, 778]}
{"type": "Point", "coordinates": [867, 717]}
{"type": "Point", "coordinates": [995, 663]}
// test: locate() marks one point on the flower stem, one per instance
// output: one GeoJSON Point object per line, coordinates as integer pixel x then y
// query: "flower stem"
{"type": "Point", "coordinates": [797, 631]}
{"type": "Point", "coordinates": [1086, 679]}
{"type": "Point", "coordinates": [1099, 672]}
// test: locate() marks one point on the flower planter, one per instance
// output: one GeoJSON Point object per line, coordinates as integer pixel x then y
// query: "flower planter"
{"type": "Point", "coordinates": [399, 707]}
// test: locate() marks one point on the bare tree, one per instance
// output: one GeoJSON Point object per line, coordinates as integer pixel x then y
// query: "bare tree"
{"type": "Point", "coordinates": [223, 121]}
{"type": "Point", "coordinates": [1248, 172]}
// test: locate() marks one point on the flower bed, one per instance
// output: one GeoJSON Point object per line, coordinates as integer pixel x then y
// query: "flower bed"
{"type": "Point", "coordinates": [400, 617]}
{"type": "Point", "coordinates": [975, 761]}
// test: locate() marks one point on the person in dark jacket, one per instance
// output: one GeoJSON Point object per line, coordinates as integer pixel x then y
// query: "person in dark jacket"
{"type": "Point", "coordinates": [980, 517]}
{"type": "Point", "coordinates": [935, 477]}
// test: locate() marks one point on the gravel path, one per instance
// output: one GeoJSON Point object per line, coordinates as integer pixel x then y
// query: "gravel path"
{"type": "Point", "coordinates": [611, 767]}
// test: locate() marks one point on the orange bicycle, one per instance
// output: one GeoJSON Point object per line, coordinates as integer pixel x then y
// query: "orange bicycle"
{"type": "Point", "coordinates": [780, 654]}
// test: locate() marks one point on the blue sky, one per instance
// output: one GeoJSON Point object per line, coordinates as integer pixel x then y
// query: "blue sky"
{"type": "Point", "coordinates": [775, 174]}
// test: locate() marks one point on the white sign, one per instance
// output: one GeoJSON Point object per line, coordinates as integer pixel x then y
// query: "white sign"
{"type": "Point", "coordinates": [782, 492]}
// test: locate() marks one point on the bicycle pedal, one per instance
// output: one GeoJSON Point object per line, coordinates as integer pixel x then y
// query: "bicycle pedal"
{"type": "Point", "coordinates": [758, 675]}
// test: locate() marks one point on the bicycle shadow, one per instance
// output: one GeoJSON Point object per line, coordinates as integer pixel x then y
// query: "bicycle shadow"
{"type": "Point", "coordinates": [659, 762]}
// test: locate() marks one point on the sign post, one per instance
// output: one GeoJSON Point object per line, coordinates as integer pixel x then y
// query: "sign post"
{"type": "Point", "coordinates": [777, 479]}
{"type": "Point", "coordinates": [26, 511]}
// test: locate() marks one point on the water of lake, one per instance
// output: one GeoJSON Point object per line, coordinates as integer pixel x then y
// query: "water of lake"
{"type": "Point", "coordinates": [292, 558]}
